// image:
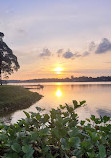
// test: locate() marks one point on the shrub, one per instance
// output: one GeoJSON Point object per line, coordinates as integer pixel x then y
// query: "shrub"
{"type": "Point", "coordinates": [57, 134]}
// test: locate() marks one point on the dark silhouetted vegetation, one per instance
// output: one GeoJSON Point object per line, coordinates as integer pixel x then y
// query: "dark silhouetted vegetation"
{"type": "Point", "coordinates": [72, 79]}
{"type": "Point", "coordinates": [8, 61]}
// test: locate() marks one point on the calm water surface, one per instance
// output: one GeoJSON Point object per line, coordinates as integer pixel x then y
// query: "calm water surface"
{"type": "Point", "coordinates": [97, 96]}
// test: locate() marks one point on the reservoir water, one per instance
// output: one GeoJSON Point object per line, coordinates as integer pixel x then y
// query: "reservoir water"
{"type": "Point", "coordinates": [97, 96]}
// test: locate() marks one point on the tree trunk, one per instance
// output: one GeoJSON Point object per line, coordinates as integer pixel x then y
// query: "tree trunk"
{"type": "Point", "coordinates": [1, 57]}
{"type": "Point", "coordinates": [0, 77]}
{"type": "Point", "coordinates": [0, 68]}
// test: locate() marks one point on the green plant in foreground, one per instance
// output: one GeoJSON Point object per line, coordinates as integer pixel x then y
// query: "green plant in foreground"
{"type": "Point", "coordinates": [57, 134]}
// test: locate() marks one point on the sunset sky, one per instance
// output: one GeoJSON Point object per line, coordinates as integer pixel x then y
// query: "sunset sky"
{"type": "Point", "coordinates": [74, 35]}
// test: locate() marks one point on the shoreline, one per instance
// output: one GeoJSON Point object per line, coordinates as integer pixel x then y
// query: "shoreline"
{"type": "Point", "coordinates": [13, 98]}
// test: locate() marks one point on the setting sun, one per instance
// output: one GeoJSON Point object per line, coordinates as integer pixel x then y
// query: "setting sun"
{"type": "Point", "coordinates": [58, 70]}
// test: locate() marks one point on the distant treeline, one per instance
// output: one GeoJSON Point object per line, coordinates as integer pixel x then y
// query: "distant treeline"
{"type": "Point", "coordinates": [72, 79]}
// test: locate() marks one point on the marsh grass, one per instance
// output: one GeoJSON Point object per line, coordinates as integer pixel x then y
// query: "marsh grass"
{"type": "Point", "coordinates": [13, 98]}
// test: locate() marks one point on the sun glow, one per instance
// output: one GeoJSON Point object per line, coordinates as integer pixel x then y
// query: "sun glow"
{"type": "Point", "coordinates": [58, 70]}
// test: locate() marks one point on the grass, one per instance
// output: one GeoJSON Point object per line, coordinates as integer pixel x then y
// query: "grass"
{"type": "Point", "coordinates": [13, 98]}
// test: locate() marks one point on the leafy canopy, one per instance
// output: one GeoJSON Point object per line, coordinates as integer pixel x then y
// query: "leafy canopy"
{"type": "Point", "coordinates": [8, 61]}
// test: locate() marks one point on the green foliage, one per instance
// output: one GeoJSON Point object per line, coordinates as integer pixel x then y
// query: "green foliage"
{"type": "Point", "coordinates": [14, 98]}
{"type": "Point", "coordinates": [57, 134]}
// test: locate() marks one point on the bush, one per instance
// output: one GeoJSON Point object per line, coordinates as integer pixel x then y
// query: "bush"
{"type": "Point", "coordinates": [57, 134]}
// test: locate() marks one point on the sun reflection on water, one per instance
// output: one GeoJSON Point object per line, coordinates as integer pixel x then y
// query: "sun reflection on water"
{"type": "Point", "coordinates": [58, 93]}
{"type": "Point", "coordinates": [58, 83]}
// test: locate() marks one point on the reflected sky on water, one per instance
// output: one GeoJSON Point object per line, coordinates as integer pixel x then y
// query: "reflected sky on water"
{"type": "Point", "coordinates": [97, 96]}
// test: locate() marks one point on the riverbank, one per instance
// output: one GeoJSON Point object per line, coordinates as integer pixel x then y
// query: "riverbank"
{"type": "Point", "coordinates": [14, 98]}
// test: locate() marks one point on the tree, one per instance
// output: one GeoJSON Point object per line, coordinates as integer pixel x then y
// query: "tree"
{"type": "Point", "coordinates": [8, 61]}
{"type": "Point", "coordinates": [72, 77]}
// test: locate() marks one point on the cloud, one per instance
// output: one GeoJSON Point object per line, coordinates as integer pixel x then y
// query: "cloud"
{"type": "Point", "coordinates": [86, 53]}
{"type": "Point", "coordinates": [77, 55]}
{"type": "Point", "coordinates": [59, 52]}
{"type": "Point", "coordinates": [46, 53]}
{"type": "Point", "coordinates": [104, 46]}
{"type": "Point", "coordinates": [68, 55]}
{"type": "Point", "coordinates": [92, 46]}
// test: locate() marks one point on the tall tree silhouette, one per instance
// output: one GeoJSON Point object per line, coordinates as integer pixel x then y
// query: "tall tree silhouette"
{"type": "Point", "coordinates": [8, 61]}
